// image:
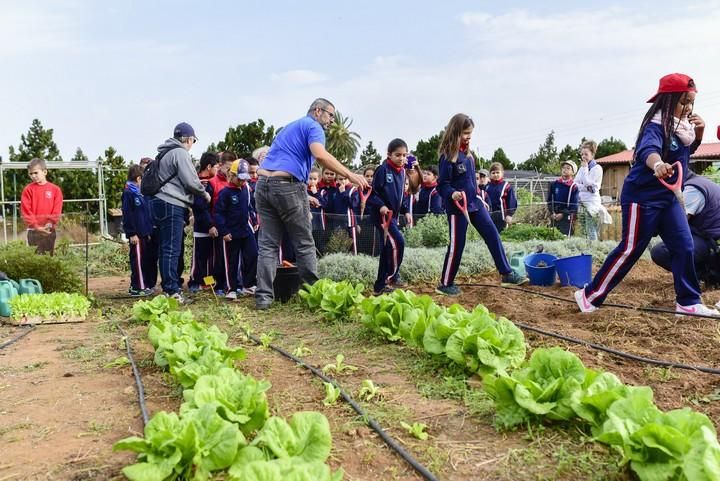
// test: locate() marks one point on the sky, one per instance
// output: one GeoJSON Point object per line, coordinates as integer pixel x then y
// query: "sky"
{"type": "Point", "coordinates": [123, 73]}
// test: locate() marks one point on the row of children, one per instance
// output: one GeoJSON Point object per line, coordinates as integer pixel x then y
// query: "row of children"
{"type": "Point", "coordinates": [224, 253]}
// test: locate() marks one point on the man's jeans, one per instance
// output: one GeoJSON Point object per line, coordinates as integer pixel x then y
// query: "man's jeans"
{"type": "Point", "coordinates": [169, 221]}
{"type": "Point", "coordinates": [282, 206]}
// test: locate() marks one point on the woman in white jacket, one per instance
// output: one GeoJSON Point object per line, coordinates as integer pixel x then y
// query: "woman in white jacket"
{"type": "Point", "coordinates": [588, 180]}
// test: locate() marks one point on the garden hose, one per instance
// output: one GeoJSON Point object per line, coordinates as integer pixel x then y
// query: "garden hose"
{"type": "Point", "coordinates": [136, 373]}
{"type": "Point", "coordinates": [600, 347]}
{"type": "Point", "coordinates": [391, 443]}
{"type": "Point", "coordinates": [17, 338]}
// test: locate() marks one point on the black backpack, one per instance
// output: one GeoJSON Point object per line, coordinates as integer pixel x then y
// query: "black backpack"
{"type": "Point", "coordinates": [151, 182]}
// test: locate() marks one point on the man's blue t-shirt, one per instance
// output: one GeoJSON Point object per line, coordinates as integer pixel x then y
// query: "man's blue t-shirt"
{"type": "Point", "coordinates": [290, 151]}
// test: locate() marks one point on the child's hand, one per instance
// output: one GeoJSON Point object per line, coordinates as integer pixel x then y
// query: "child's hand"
{"type": "Point", "coordinates": [663, 170]}
{"type": "Point", "coordinates": [508, 219]}
{"type": "Point", "coordinates": [208, 198]}
{"type": "Point", "coordinates": [697, 121]}
{"type": "Point", "coordinates": [134, 239]}
{"type": "Point", "coordinates": [313, 189]}
{"type": "Point", "coordinates": [227, 237]}
{"type": "Point", "coordinates": [408, 218]}
{"type": "Point", "coordinates": [213, 232]}
{"type": "Point", "coordinates": [384, 210]}
{"type": "Point", "coordinates": [313, 202]}
{"type": "Point", "coordinates": [557, 216]}
{"type": "Point", "coordinates": [341, 187]}
{"type": "Point", "coordinates": [457, 195]}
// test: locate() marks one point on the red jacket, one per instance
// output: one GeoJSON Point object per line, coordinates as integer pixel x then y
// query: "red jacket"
{"type": "Point", "coordinates": [41, 205]}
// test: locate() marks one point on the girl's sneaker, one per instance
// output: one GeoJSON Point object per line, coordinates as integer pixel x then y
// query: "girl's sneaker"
{"type": "Point", "coordinates": [582, 301]}
{"type": "Point", "coordinates": [512, 278]}
{"type": "Point", "coordinates": [700, 309]}
{"type": "Point", "coordinates": [231, 295]}
{"type": "Point", "coordinates": [384, 290]}
{"type": "Point", "coordinates": [247, 291]}
{"type": "Point", "coordinates": [194, 289]}
{"type": "Point", "coordinates": [451, 290]}
{"type": "Point", "coordinates": [139, 292]}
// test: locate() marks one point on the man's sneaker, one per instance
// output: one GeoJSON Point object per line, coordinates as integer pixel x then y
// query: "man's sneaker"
{"type": "Point", "coordinates": [247, 291]}
{"type": "Point", "coordinates": [512, 278]}
{"type": "Point", "coordinates": [451, 290]}
{"type": "Point", "coordinates": [139, 292]}
{"type": "Point", "coordinates": [701, 309]}
{"type": "Point", "coordinates": [582, 301]}
{"type": "Point", "coordinates": [231, 295]}
{"type": "Point", "coordinates": [262, 306]}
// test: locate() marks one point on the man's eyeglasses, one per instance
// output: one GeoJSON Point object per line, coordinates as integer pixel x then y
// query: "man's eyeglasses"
{"type": "Point", "coordinates": [331, 114]}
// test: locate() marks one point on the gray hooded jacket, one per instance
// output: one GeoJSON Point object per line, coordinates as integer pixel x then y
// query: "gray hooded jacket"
{"type": "Point", "coordinates": [181, 190]}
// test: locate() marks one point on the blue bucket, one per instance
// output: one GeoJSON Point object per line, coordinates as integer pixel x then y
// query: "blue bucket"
{"type": "Point", "coordinates": [544, 275]}
{"type": "Point", "coordinates": [574, 271]}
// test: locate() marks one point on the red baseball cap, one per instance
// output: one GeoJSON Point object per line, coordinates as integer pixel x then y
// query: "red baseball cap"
{"type": "Point", "coordinates": [673, 83]}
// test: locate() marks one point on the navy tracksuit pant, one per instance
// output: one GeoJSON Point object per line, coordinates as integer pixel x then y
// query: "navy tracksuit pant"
{"type": "Point", "coordinates": [391, 255]}
{"type": "Point", "coordinates": [640, 224]}
{"type": "Point", "coordinates": [458, 229]}
{"type": "Point", "coordinates": [143, 264]}
{"type": "Point", "coordinates": [240, 257]}
{"type": "Point", "coordinates": [202, 259]}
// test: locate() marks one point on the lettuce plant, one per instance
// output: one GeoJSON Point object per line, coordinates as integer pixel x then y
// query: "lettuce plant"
{"type": "Point", "coordinates": [56, 305]}
{"type": "Point", "coordinates": [336, 300]}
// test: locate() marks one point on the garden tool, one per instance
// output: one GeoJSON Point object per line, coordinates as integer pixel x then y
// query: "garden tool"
{"type": "Point", "coordinates": [386, 219]}
{"type": "Point", "coordinates": [676, 188]}
{"type": "Point", "coordinates": [462, 205]}
{"type": "Point", "coordinates": [363, 199]}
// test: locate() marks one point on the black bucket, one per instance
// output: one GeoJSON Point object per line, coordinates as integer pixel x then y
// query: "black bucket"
{"type": "Point", "coordinates": [287, 283]}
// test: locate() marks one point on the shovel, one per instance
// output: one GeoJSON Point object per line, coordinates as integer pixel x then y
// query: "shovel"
{"type": "Point", "coordinates": [676, 188]}
{"type": "Point", "coordinates": [386, 219]}
{"type": "Point", "coordinates": [363, 199]}
{"type": "Point", "coordinates": [462, 205]}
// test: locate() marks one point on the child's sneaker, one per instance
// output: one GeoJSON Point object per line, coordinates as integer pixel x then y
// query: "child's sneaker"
{"type": "Point", "coordinates": [512, 278]}
{"type": "Point", "coordinates": [247, 291]}
{"type": "Point", "coordinates": [182, 300]}
{"type": "Point", "coordinates": [451, 290]}
{"type": "Point", "coordinates": [231, 295]}
{"type": "Point", "coordinates": [219, 292]}
{"type": "Point", "coordinates": [701, 309]}
{"type": "Point", "coordinates": [398, 283]}
{"type": "Point", "coordinates": [139, 292]}
{"type": "Point", "coordinates": [582, 301]}
{"type": "Point", "coordinates": [194, 289]}
{"type": "Point", "coordinates": [384, 290]}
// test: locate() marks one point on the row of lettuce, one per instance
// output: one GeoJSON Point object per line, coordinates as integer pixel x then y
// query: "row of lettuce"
{"type": "Point", "coordinates": [224, 422]}
{"type": "Point", "coordinates": [552, 385]}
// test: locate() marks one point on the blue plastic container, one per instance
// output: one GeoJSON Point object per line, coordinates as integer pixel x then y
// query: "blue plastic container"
{"type": "Point", "coordinates": [574, 271]}
{"type": "Point", "coordinates": [517, 263]}
{"type": "Point", "coordinates": [540, 275]}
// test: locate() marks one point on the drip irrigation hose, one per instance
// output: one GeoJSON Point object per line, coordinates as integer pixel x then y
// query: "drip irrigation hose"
{"type": "Point", "coordinates": [136, 373]}
{"type": "Point", "coordinates": [17, 338]}
{"type": "Point", "coordinates": [600, 347]}
{"type": "Point", "coordinates": [392, 444]}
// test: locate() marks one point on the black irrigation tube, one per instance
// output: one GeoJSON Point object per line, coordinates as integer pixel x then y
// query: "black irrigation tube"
{"type": "Point", "coordinates": [392, 444]}
{"type": "Point", "coordinates": [136, 373]}
{"type": "Point", "coordinates": [9, 343]}
{"type": "Point", "coordinates": [600, 347]}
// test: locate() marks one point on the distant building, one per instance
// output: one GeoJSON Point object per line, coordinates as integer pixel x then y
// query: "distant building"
{"type": "Point", "coordinates": [617, 166]}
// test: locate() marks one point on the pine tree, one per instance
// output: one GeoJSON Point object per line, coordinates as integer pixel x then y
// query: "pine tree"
{"type": "Point", "coordinates": [38, 143]}
{"type": "Point", "coordinates": [427, 150]}
{"type": "Point", "coordinates": [115, 172]}
{"type": "Point", "coordinates": [502, 158]}
{"type": "Point", "coordinates": [545, 159]}
{"type": "Point", "coordinates": [245, 138]}
{"type": "Point", "coordinates": [370, 156]}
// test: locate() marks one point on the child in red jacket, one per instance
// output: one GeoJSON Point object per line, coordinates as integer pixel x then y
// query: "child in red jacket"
{"type": "Point", "coordinates": [41, 208]}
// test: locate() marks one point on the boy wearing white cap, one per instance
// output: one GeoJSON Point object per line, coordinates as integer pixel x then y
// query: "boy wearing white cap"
{"type": "Point", "coordinates": [562, 199]}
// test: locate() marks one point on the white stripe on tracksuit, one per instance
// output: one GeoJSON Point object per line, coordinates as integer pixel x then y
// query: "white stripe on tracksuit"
{"type": "Point", "coordinates": [631, 244]}
{"type": "Point", "coordinates": [138, 262]}
{"type": "Point", "coordinates": [451, 252]}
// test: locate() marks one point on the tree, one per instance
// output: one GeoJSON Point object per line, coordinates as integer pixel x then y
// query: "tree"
{"type": "Point", "coordinates": [427, 150]}
{"type": "Point", "coordinates": [370, 156]}
{"type": "Point", "coordinates": [37, 143]}
{"type": "Point", "coordinates": [545, 159]}
{"type": "Point", "coordinates": [500, 156]}
{"type": "Point", "coordinates": [77, 184]}
{"type": "Point", "coordinates": [340, 141]}
{"type": "Point", "coordinates": [245, 138]}
{"type": "Point", "coordinates": [609, 146]}
{"type": "Point", "coordinates": [115, 172]}
{"type": "Point", "coordinates": [569, 153]}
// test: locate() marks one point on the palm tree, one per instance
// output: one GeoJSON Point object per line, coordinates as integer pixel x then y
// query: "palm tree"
{"type": "Point", "coordinates": [341, 141]}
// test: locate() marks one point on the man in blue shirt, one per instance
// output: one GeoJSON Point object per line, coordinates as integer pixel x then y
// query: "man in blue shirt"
{"type": "Point", "coordinates": [281, 195]}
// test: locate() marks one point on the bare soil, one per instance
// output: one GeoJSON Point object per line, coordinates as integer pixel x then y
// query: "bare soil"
{"type": "Point", "coordinates": [61, 409]}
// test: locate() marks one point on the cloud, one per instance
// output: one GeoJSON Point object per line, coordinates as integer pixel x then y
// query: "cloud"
{"type": "Point", "coordinates": [298, 77]}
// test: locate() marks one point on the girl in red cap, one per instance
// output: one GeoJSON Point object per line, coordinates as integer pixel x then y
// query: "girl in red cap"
{"type": "Point", "coordinates": [669, 133]}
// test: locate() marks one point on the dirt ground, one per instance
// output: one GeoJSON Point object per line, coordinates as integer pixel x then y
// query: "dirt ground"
{"type": "Point", "coordinates": [62, 407]}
